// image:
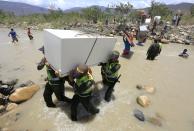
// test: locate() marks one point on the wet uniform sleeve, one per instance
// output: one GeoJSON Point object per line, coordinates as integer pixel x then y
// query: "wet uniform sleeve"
{"type": "Point", "coordinates": [71, 78]}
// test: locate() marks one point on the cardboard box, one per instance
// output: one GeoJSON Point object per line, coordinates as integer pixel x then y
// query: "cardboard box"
{"type": "Point", "coordinates": [65, 49]}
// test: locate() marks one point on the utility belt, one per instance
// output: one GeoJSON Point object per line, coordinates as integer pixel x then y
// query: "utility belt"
{"type": "Point", "coordinates": [55, 81]}
{"type": "Point", "coordinates": [108, 78]}
{"type": "Point", "coordinates": [85, 94]}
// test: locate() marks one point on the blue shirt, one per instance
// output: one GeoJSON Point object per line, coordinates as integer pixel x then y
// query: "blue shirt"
{"type": "Point", "coordinates": [13, 34]}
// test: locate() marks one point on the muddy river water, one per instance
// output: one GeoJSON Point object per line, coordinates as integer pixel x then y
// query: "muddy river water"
{"type": "Point", "coordinates": [172, 76]}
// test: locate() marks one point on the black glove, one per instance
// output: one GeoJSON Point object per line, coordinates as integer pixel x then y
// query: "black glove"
{"type": "Point", "coordinates": [41, 64]}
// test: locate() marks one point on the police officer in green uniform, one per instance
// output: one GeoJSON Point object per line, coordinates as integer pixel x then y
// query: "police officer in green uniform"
{"type": "Point", "coordinates": [54, 85]}
{"type": "Point", "coordinates": [154, 49]}
{"type": "Point", "coordinates": [82, 81]}
{"type": "Point", "coordinates": [109, 73]}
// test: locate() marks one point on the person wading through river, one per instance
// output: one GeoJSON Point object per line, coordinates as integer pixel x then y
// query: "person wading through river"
{"type": "Point", "coordinates": [154, 50]}
{"type": "Point", "coordinates": [82, 81]}
{"type": "Point", "coordinates": [128, 42]}
{"type": "Point", "coordinates": [109, 71]}
{"type": "Point", "coordinates": [13, 36]}
{"type": "Point", "coordinates": [30, 34]}
{"type": "Point", "coordinates": [54, 85]}
{"type": "Point", "coordinates": [184, 54]}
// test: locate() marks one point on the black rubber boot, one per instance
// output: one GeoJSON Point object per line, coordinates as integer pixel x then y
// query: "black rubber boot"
{"type": "Point", "coordinates": [89, 106]}
{"type": "Point", "coordinates": [92, 109]}
{"type": "Point", "coordinates": [74, 106]}
{"type": "Point", "coordinates": [73, 118]}
{"type": "Point", "coordinates": [48, 95]}
{"type": "Point", "coordinates": [95, 111]}
{"type": "Point", "coordinates": [108, 94]}
{"type": "Point", "coordinates": [52, 105]}
{"type": "Point", "coordinates": [68, 100]}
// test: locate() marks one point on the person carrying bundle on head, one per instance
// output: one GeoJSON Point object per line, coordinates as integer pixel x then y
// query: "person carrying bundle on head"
{"type": "Point", "coordinates": [128, 42]}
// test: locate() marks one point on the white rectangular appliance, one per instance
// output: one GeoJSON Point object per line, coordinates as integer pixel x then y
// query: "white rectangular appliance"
{"type": "Point", "coordinates": [65, 49]}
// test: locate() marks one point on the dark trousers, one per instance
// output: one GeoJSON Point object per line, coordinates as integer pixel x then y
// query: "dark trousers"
{"type": "Point", "coordinates": [110, 89]}
{"type": "Point", "coordinates": [109, 92]}
{"type": "Point", "coordinates": [177, 24]}
{"type": "Point", "coordinates": [151, 56]}
{"type": "Point", "coordinates": [173, 22]}
{"type": "Point", "coordinates": [14, 39]}
{"type": "Point", "coordinates": [57, 89]}
{"type": "Point", "coordinates": [153, 28]}
{"type": "Point", "coordinates": [30, 37]}
{"type": "Point", "coordinates": [86, 102]}
{"type": "Point", "coordinates": [126, 52]}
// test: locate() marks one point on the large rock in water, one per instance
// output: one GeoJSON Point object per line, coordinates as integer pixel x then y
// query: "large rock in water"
{"type": "Point", "coordinates": [139, 87]}
{"type": "Point", "coordinates": [11, 106]}
{"type": "Point", "coordinates": [187, 42]}
{"type": "Point", "coordinates": [27, 83]}
{"type": "Point", "coordinates": [10, 82]}
{"type": "Point", "coordinates": [149, 88]}
{"type": "Point", "coordinates": [180, 41]}
{"type": "Point", "coordinates": [165, 41]}
{"type": "Point", "coordinates": [2, 108]}
{"type": "Point", "coordinates": [155, 121]}
{"type": "Point", "coordinates": [143, 101]}
{"type": "Point", "coordinates": [24, 93]}
{"type": "Point", "coordinates": [139, 115]}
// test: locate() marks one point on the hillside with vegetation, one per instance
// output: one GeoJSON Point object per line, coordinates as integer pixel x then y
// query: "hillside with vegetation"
{"type": "Point", "coordinates": [120, 14]}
